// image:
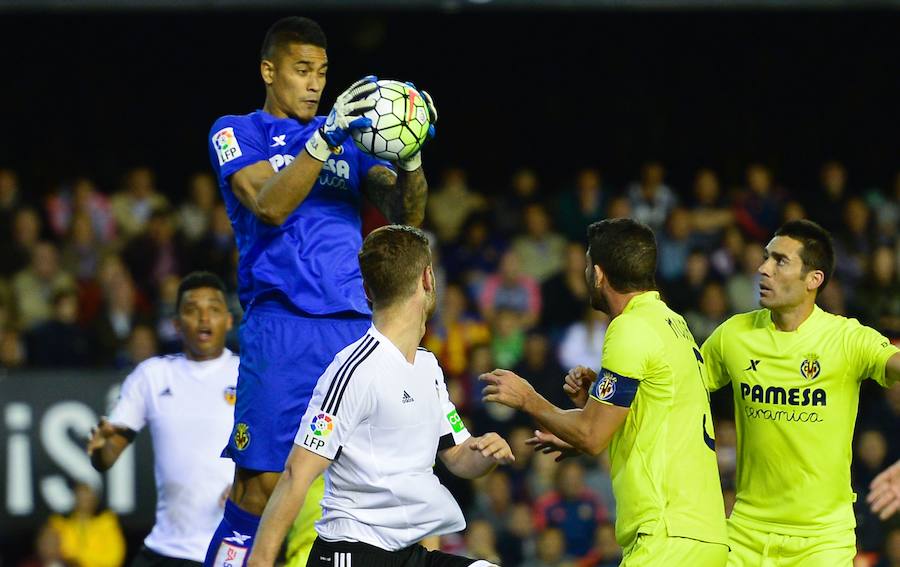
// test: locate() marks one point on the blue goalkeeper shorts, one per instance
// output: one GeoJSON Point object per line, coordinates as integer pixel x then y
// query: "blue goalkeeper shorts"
{"type": "Point", "coordinates": [282, 357]}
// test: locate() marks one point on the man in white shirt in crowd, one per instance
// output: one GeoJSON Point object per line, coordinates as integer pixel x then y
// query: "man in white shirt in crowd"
{"type": "Point", "coordinates": [188, 401]}
{"type": "Point", "coordinates": [379, 416]}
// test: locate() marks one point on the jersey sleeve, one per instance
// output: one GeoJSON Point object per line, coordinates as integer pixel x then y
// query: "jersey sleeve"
{"type": "Point", "coordinates": [627, 348]}
{"type": "Point", "coordinates": [131, 409]}
{"type": "Point", "coordinates": [341, 400]}
{"type": "Point", "coordinates": [453, 430]}
{"type": "Point", "coordinates": [716, 375]}
{"type": "Point", "coordinates": [869, 351]}
{"type": "Point", "coordinates": [234, 143]}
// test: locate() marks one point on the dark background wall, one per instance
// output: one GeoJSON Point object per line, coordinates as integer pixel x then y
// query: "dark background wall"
{"type": "Point", "coordinates": [95, 93]}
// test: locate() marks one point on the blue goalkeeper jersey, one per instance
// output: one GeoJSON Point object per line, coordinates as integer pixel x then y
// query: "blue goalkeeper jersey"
{"type": "Point", "coordinates": [309, 264]}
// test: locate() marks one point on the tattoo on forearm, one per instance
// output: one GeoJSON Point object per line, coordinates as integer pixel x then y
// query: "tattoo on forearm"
{"type": "Point", "coordinates": [400, 197]}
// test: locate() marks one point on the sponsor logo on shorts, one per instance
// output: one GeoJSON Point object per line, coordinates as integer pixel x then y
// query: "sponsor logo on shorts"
{"type": "Point", "coordinates": [322, 425]}
{"type": "Point", "coordinates": [241, 436]}
{"type": "Point", "coordinates": [230, 395]}
{"type": "Point", "coordinates": [230, 555]}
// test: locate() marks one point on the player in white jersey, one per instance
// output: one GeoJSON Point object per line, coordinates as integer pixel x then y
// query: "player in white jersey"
{"type": "Point", "coordinates": [188, 402]}
{"type": "Point", "coordinates": [379, 416]}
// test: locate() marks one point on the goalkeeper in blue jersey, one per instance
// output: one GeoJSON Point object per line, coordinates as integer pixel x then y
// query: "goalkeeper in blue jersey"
{"type": "Point", "coordinates": [293, 183]}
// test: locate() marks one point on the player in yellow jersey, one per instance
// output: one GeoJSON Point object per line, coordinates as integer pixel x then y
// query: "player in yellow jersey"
{"type": "Point", "coordinates": [649, 405]}
{"type": "Point", "coordinates": [796, 372]}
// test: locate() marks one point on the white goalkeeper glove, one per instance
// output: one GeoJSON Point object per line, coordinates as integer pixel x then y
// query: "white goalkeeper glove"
{"type": "Point", "coordinates": [345, 116]}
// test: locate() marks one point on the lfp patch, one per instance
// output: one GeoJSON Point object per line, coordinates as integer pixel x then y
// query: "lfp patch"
{"type": "Point", "coordinates": [226, 145]}
{"type": "Point", "coordinates": [322, 425]}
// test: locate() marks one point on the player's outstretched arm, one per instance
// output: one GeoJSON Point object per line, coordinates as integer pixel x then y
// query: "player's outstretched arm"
{"type": "Point", "coordinates": [301, 468]}
{"type": "Point", "coordinates": [884, 492]}
{"type": "Point", "coordinates": [892, 370]}
{"type": "Point", "coordinates": [588, 430]}
{"type": "Point", "coordinates": [106, 444]}
{"type": "Point", "coordinates": [477, 456]}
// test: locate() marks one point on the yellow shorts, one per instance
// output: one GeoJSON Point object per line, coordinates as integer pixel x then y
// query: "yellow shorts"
{"type": "Point", "coordinates": [662, 550]}
{"type": "Point", "coordinates": [755, 548]}
{"type": "Point", "coordinates": [303, 533]}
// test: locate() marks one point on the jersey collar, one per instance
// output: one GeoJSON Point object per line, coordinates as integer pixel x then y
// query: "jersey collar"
{"type": "Point", "coordinates": [641, 299]}
{"type": "Point", "coordinates": [388, 345]}
{"type": "Point", "coordinates": [808, 322]}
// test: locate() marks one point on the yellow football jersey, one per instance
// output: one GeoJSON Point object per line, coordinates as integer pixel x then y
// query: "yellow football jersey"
{"type": "Point", "coordinates": [796, 396]}
{"type": "Point", "coordinates": [663, 463]}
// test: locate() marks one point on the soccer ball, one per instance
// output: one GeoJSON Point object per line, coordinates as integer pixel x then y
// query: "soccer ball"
{"type": "Point", "coordinates": [399, 122]}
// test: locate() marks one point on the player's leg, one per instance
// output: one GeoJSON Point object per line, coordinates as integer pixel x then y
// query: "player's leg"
{"type": "Point", "coordinates": [662, 550]}
{"type": "Point", "coordinates": [834, 550]}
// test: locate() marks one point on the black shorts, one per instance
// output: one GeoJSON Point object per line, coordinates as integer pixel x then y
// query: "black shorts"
{"type": "Point", "coordinates": [354, 554]}
{"type": "Point", "coordinates": [149, 558]}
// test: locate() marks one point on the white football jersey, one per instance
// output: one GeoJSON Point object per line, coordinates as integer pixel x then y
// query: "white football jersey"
{"type": "Point", "coordinates": [189, 407]}
{"type": "Point", "coordinates": [382, 420]}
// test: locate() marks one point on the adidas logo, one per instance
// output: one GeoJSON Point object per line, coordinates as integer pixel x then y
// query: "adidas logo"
{"type": "Point", "coordinates": [407, 398]}
{"type": "Point", "coordinates": [166, 392]}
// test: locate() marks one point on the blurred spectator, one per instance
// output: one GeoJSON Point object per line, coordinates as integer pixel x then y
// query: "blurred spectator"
{"type": "Point", "coordinates": [675, 244]}
{"type": "Point", "coordinates": [507, 338]}
{"type": "Point", "coordinates": [887, 212]}
{"type": "Point", "coordinates": [455, 331]}
{"type": "Point", "coordinates": [169, 338]}
{"type": "Point", "coordinates": [540, 250]}
{"type": "Point", "coordinates": [792, 211]}
{"type": "Point", "coordinates": [598, 478]}
{"type": "Point", "coordinates": [565, 294]}
{"type": "Point", "coordinates": [156, 254]}
{"type": "Point", "coordinates": [540, 367]}
{"type": "Point", "coordinates": [726, 449]}
{"type": "Point", "coordinates": [508, 209]}
{"type": "Point", "coordinates": [9, 196]}
{"type": "Point", "coordinates": [214, 249]}
{"type": "Point", "coordinates": [712, 312]}
{"type": "Point", "coordinates": [450, 204]}
{"type": "Point", "coordinates": [758, 207]}
{"type": "Point", "coordinates": [59, 342]}
{"type": "Point", "coordinates": [582, 343]}
{"type": "Point", "coordinates": [195, 214]}
{"type": "Point", "coordinates": [891, 549]}
{"type": "Point", "coordinates": [729, 497]}
{"type": "Point", "coordinates": [870, 458]}
{"type": "Point", "coordinates": [710, 213]}
{"type": "Point", "coordinates": [47, 551]}
{"type": "Point", "coordinates": [878, 300]}
{"type": "Point", "coordinates": [852, 245]}
{"type": "Point", "coordinates": [511, 290]}
{"type": "Point", "coordinates": [518, 470]}
{"type": "Point", "coordinates": [494, 502]}
{"type": "Point", "coordinates": [133, 205]}
{"type": "Point", "coordinates": [542, 476]}
{"type": "Point", "coordinates": [142, 344]}
{"type": "Point", "coordinates": [90, 537]}
{"type": "Point", "coordinates": [833, 298]}
{"type": "Point", "coordinates": [605, 551]}
{"type": "Point", "coordinates": [17, 251]}
{"type": "Point", "coordinates": [81, 198]}
{"type": "Point", "coordinates": [550, 551]}
{"type": "Point", "coordinates": [743, 287]}
{"type": "Point", "coordinates": [726, 259]}
{"type": "Point", "coordinates": [619, 208]}
{"type": "Point", "coordinates": [651, 200]}
{"type": "Point", "coordinates": [516, 542]}
{"type": "Point", "coordinates": [82, 249]}
{"type": "Point", "coordinates": [475, 256]}
{"type": "Point", "coordinates": [12, 349]}
{"type": "Point", "coordinates": [584, 204]}
{"type": "Point", "coordinates": [826, 205]}
{"type": "Point", "coordinates": [34, 286]}
{"type": "Point", "coordinates": [683, 294]}
{"type": "Point", "coordinates": [119, 315]}
{"type": "Point", "coordinates": [481, 541]}
{"type": "Point", "coordinates": [571, 507]}
{"type": "Point", "coordinates": [481, 360]}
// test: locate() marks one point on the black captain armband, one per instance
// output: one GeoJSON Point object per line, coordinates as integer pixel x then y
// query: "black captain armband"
{"type": "Point", "coordinates": [614, 389]}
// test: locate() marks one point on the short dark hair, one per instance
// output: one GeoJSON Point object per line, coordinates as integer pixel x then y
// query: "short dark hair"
{"type": "Point", "coordinates": [391, 260]}
{"type": "Point", "coordinates": [625, 250]}
{"type": "Point", "coordinates": [195, 280]}
{"type": "Point", "coordinates": [818, 249]}
{"type": "Point", "coordinates": [292, 29]}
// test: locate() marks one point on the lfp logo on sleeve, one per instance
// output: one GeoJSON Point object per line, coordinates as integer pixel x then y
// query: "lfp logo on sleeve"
{"type": "Point", "coordinates": [226, 145]}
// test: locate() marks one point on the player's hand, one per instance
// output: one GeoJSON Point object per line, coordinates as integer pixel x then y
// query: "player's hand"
{"type": "Point", "coordinates": [884, 492]}
{"type": "Point", "coordinates": [578, 385]}
{"type": "Point", "coordinates": [101, 433]}
{"type": "Point", "coordinates": [492, 446]}
{"type": "Point", "coordinates": [345, 116]}
{"type": "Point", "coordinates": [414, 161]}
{"type": "Point", "coordinates": [549, 443]}
{"type": "Point", "coordinates": [507, 388]}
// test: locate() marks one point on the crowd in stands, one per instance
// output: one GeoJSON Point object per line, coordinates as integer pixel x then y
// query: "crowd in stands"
{"type": "Point", "coordinates": [88, 278]}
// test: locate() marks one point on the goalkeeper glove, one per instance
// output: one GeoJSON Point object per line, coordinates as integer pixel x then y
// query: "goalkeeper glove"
{"type": "Point", "coordinates": [345, 116]}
